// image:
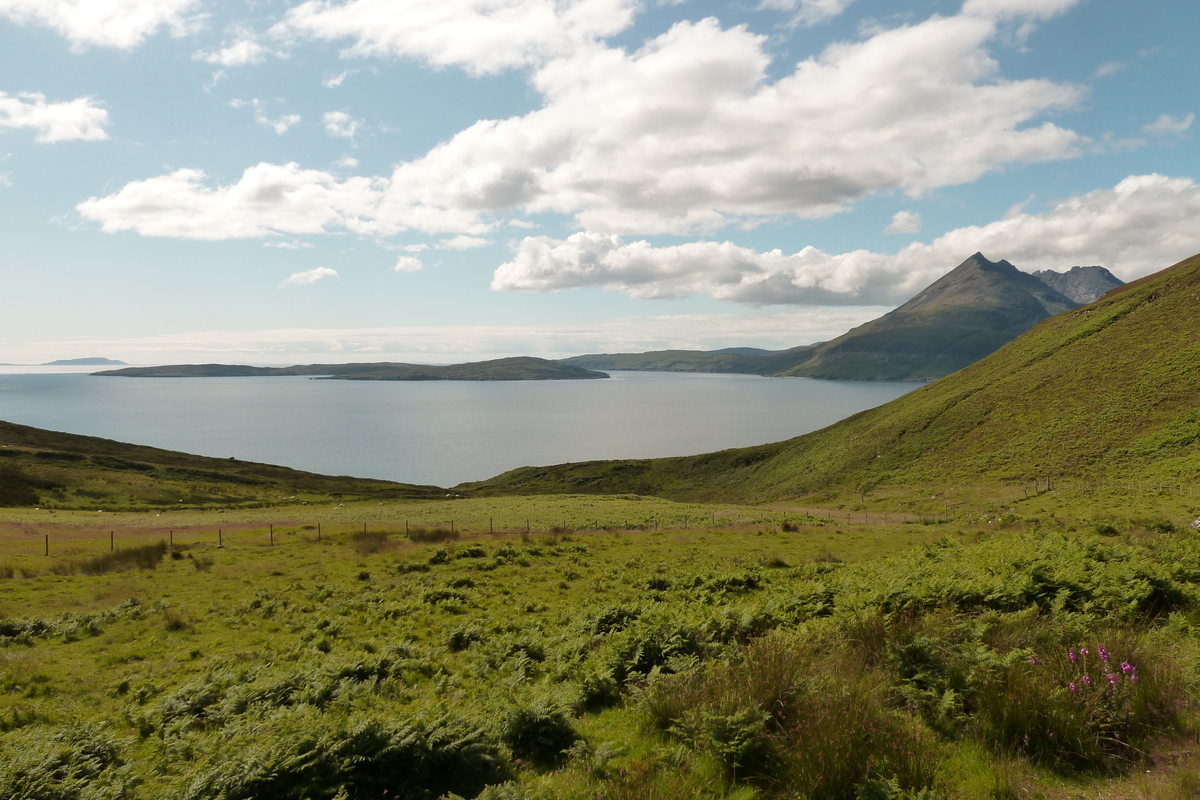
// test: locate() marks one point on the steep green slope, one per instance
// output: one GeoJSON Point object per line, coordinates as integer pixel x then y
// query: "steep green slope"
{"type": "Point", "coordinates": [965, 315]}
{"type": "Point", "coordinates": [63, 470]}
{"type": "Point", "coordinates": [1110, 390]}
{"type": "Point", "coordinates": [519, 368]}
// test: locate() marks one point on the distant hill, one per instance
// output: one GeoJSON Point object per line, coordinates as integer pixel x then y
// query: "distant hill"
{"type": "Point", "coordinates": [83, 362]}
{"type": "Point", "coordinates": [520, 368]}
{"type": "Point", "coordinates": [63, 470]}
{"type": "Point", "coordinates": [741, 360]}
{"type": "Point", "coordinates": [1111, 390]}
{"type": "Point", "coordinates": [1081, 284]}
{"type": "Point", "coordinates": [961, 317]}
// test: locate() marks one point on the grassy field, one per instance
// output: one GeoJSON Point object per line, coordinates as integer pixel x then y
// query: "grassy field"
{"type": "Point", "coordinates": [755, 653]}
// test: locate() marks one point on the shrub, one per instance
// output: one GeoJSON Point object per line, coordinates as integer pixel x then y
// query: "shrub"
{"type": "Point", "coordinates": [69, 763]}
{"type": "Point", "coordinates": [538, 733]}
{"type": "Point", "coordinates": [431, 535]}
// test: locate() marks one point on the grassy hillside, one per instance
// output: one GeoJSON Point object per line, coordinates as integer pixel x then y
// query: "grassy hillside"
{"type": "Point", "coordinates": [519, 368]}
{"type": "Point", "coordinates": [1110, 390]}
{"type": "Point", "coordinates": [62, 470]}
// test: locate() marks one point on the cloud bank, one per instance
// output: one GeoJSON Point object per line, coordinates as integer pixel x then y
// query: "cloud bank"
{"type": "Point", "coordinates": [1143, 224]}
{"type": "Point", "coordinates": [684, 135]}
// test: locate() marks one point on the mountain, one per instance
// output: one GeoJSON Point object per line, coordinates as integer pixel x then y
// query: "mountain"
{"type": "Point", "coordinates": [1111, 390]}
{"type": "Point", "coordinates": [63, 470]}
{"type": "Point", "coordinates": [520, 368]}
{"type": "Point", "coordinates": [83, 362]}
{"type": "Point", "coordinates": [1082, 284]}
{"type": "Point", "coordinates": [961, 317]}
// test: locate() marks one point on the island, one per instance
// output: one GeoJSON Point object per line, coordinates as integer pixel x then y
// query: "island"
{"type": "Point", "coordinates": [518, 368]}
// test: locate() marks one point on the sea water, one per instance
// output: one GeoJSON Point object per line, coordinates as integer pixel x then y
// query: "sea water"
{"type": "Point", "coordinates": [437, 432]}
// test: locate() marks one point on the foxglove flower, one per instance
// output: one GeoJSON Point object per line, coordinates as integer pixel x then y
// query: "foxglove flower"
{"type": "Point", "coordinates": [1087, 681]}
{"type": "Point", "coordinates": [1103, 653]}
{"type": "Point", "coordinates": [1071, 655]}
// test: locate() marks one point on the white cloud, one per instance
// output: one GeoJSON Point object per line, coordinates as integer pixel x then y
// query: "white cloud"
{"type": "Point", "coordinates": [294, 244]}
{"type": "Point", "coordinates": [408, 264]}
{"type": "Point", "coordinates": [415, 248]}
{"type": "Point", "coordinates": [346, 162]}
{"type": "Point", "coordinates": [687, 134]}
{"type": "Point", "coordinates": [6, 179]}
{"type": "Point", "coordinates": [1145, 223]}
{"type": "Point", "coordinates": [280, 125]}
{"type": "Point", "coordinates": [309, 277]}
{"type": "Point", "coordinates": [481, 36]}
{"type": "Point", "coordinates": [79, 119]}
{"type": "Point", "coordinates": [463, 243]}
{"type": "Point", "coordinates": [339, 124]}
{"type": "Point", "coordinates": [1169, 125]}
{"type": "Point", "coordinates": [904, 222]}
{"type": "Point", "coordinates": [809, 12]}
{"type": "Point", "coordinates": [122, 24]}
{"type": "Point", "coordinates": [1110, 68]}
{"type": "Point", "coordinates": [1011, 9]}
{"type": "Point", "coordinates": [245, 49]}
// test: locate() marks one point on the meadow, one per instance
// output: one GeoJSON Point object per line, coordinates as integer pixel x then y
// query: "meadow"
{"type": "Point", "coordinates": [607, 647]}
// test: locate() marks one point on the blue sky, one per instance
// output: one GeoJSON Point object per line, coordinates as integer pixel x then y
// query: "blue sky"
{"type": "Point", "coordinates": [443, 180]}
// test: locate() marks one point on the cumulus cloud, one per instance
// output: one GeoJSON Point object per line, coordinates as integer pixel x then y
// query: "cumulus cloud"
{"type": "Point", "coordinates": [1145, 223]}
{"type": "Point", "coordinates": [280, 125]}
{"type": "Point", "coordinates": [339, 124]}
{"type": "Point", "coordinates": [463, 243]}
{"type": "Point", "coordinates": [121, 24]}
{"type": "Point", "coordinates": [269, 199]}
{"type": "Point", "coordinates": [809, 12]}
{"type": "Point", "coordinates": [688, 134]}
{"type": "Point", "coordinates": [481, 36]}
{"type": "Point", "coordinates": [245, 49]}
{"type": "Point", "coordinates": [1109, 68]}
{"type": "Point", "coordinates": [904, 222]}
{"type": "Point", "coordinates": [80, 119]}
{"type": "Point", "coordinates": [309, 277]}
{"type": "Point", "coordinates": [1168, 125]}
{"type": "Point", "coordinates": [1012, 9]}
{"type": "Point", "coordinates": [408, 264]}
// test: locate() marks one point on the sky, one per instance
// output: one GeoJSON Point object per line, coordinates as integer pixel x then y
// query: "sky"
{"type": "Point", "coordinates": [298, 181]}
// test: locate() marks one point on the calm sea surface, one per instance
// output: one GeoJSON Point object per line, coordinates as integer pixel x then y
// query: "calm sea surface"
{"type": "Point", "coordinates": [437, 432]}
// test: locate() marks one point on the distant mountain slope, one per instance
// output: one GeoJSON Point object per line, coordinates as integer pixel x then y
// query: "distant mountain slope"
{"type": "Point", "coordinates": [1111, 390]}
{"type": "Point", "coordinates": [1081, 284]}
{"type": "Point", "coordinates": [741, 360]}
{"type": "Point", "coordinates": [63, 470]}
{"type": "Point", "coordinates": [520, 368]}
{"type": "Point", "coordinates": [83, 362]}
{"type": "Point", "coordinates": [963, 316]}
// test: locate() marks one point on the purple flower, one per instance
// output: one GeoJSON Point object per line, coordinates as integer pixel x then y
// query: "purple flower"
{"type": "Point", "coordinates": [1126, 667]}
{"type": "Point", "coordinates": [1103, 653]}
{"type": "Point", "coordinates": [1033, 660]}
{"type": "Point", "coordinates": [1087, 681]}
{"type": "Point", "coordinates": [1112, 679]}
{"type": "Point", "coordinates": [1071, 655]}
{"type": "Point", "coordinates": [1133, 677]}
{"type": "Point", "coordinates": [1083, 651]}
{"type": "Point", "coordinates": [1072, 687]}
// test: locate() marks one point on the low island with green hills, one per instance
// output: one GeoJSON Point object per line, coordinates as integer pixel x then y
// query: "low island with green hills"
{"type": "Point", "coordinates": [518, 368]}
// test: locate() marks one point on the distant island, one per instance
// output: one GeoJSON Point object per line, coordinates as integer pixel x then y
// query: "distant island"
{"type": "Point", "coordinates": [84, 362]}
{"type": "Point", "coordinates": [519, 368]}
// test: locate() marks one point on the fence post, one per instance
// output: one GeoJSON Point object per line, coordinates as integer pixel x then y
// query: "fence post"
{"type": "Point", "coordinates": [318, 531]}
{"type": "Point", "coordinates": [220, 539]}
{"type": "Point", "coordinates": [171, 537]}
{"type": "Point", "coordinates": [112, 541]}
{"type": "Point", "coordinates": [47, 544]}
{"type": "Point", "coordinates": [406, 527]}
{"type": "Point", "coordinates": [491, 525]}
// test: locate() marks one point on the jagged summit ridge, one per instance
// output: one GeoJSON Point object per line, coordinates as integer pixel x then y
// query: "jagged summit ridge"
{"type": "Point", "coordinates": [1082, 284]}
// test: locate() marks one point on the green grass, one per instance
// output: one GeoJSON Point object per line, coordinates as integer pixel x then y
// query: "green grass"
{"type": "Point", "coordinates": [741, 661]}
